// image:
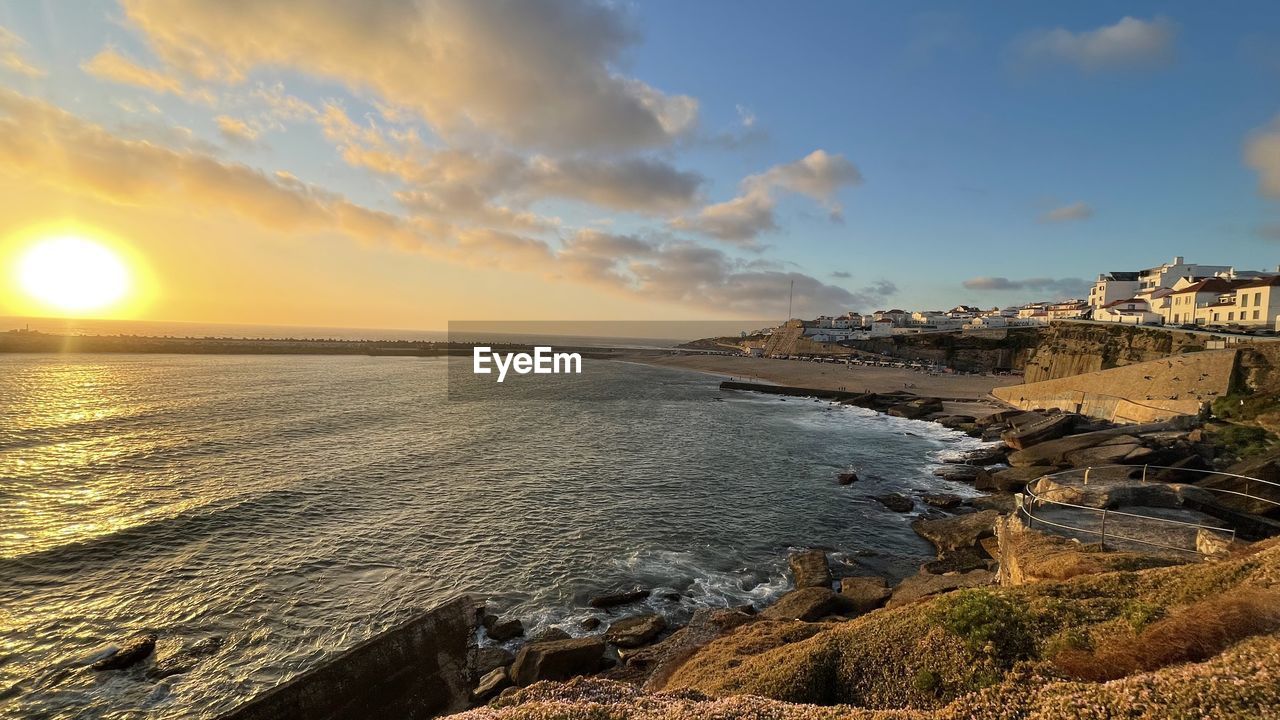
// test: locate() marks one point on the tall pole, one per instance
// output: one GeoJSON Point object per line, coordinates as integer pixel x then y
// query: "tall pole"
{"type": "Point", "coordinates": [790, 295]}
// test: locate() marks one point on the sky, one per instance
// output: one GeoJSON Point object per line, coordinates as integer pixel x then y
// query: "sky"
{"type": "Point", "coordinates": [403, 164]}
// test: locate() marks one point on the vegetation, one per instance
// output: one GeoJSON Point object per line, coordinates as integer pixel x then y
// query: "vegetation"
{"type": "Point", "coordinates": [987, 653]}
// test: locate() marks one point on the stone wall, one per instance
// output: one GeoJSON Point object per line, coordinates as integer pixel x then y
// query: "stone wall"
{"type": "Point", "coordinates": [413, 671]}
{"type": "Point", "coordinates": [1141, 392]}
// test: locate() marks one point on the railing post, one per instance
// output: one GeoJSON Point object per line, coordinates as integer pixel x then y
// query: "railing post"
{"type": "Point", "coordinates": [1086, 475]}
{"type": "Point", "coordinates": [1104, 529]}
{"type": "Point", "coordinates": [1144, 474]}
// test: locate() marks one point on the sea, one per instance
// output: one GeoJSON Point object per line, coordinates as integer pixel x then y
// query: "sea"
{"type": "Point", "coordinates": [294, 506]}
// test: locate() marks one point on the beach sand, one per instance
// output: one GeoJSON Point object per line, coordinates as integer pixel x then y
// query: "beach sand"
{"type": "Point", "coordinates": [975, 389]}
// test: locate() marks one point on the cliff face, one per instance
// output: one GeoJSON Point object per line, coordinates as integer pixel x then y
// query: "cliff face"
{"type": "Point", "coordinates": [1066, 349]}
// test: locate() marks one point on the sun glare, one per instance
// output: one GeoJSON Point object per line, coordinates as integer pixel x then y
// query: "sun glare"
{"type": "Point", "coordinates": [74, 274]}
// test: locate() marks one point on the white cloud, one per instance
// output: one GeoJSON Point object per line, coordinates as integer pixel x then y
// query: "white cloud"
{"type": "Point", "coordinates": [1057, 287]}
{"type": "Point", "coordinates": [1262, 153]}
{"type": "Point", "coordinates": [236, 131]}
{"type": "Point", "coordinates": [1131, 42]}
{"type": "Point", "coordinates": [536, 73]}
{"type": "Point", "coordinates": [11, 57]}
{"type": "Point", "coordinates": [113, 66]}
{"type": "Point", "coordinates": [1068, 213]}
{"type": "Point", "coordinates": [819, 175]}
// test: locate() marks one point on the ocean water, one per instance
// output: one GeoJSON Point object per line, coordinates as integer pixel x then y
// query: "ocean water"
{"type": "Point", "coordinates": [297, 505]}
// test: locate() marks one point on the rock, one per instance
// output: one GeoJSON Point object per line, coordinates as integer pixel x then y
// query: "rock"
{"type": "Point", "coordinates": [998, 418]}
{"type": "Point", "coordinates": [955, 422]}
{"type": "Point", "coordinates": [1001, 503]}
{"type": "Point", "coordinates": [1112, 494]}
{"type": "Point", "coordinates": [492, 683]}
{"type": "Point", "coordinates": [809, 569]}
{"type": "Point", "coordinates": [652, 663]}
{"type": "Point", "coordinates": [809, 604]}
{"type": "Point", "coordinates": [1052, 427]}
{"type": "Point", "coordinates": [984, 457]}
{"type": "Point", "coordinates": [1014, 479]}
{"type": "Point", "coordinates": [962, 560]}
{"type": "Point", "coordinates": [1053, 452]}
{"type": "Point", "coordinates": [984, 482]}
{"type": "Point", "coordinates": [962, 473]}
{"type": "Point", "coordinates": [501, 630]}
{"type": "Point", "coordinates": [960, 531]}
{"type": "Point", "coordinates": [551, 634]}
{"type": "Point", "coordinates": [1111, 452]}
{"type": "Point", "coordinates": [924, 585]}
{"type": "Point", "coordinates": [896, 502]}
{"type": "Point", "coordinates": [625, 597]}
{"type": "Point", "coordinates": [916, 409]}
{"type": "Point", "coordinates": [847, 478]}
{"type": "Point", "coordinates": [636, 631]}
{"type": "Point", "coordinates": [864, 593]}
{"type": "Point", "coordinates": [591, 623]}
{"type": "Point", "coordinates": [483, 660]}
{"type": "Point", "coordinates": [557, 660]}
{"type": "Point", "coordinates": [186, 659]}
{"type": "Point", "coordinates": [134, 650]}
{"type": "Point", "coordinates": [946, 501]}
{"type": "Point", "coordinates": [1213, 544]}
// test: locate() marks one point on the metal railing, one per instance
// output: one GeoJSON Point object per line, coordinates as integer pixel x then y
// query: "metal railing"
{"type": "Point", "coordinates": [1028, 502]}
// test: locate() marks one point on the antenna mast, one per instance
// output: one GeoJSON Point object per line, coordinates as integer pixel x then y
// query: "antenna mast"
{"type": "Point", "coordinates": [790, 295]}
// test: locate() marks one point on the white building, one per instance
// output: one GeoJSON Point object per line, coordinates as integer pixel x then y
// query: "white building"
{"type": "Point", "coordinates": [1113, 286]}
{"type": "Point", "coordinates": [1130, 311]}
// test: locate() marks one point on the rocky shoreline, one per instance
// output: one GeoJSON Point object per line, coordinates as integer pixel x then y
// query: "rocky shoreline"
{"type": "Point", "coordinates": [980, 542]}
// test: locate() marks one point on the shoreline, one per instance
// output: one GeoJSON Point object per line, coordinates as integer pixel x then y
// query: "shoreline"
{"type": "Point", "coordinates": [962, 394]}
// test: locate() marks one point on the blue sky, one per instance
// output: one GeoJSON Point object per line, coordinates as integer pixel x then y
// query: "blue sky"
{"type": "Point", "coordinates": [697, 157]}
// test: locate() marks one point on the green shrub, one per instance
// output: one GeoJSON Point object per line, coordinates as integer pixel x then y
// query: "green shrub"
{"type": "Point", "coordinates": [927, 681]}
{"type": "Point", "coordinates": [1242, 440]}
{"type": "Point", "coordinates": [989, 624]}
{"type": "Point", "coordinates": [1141, 614]}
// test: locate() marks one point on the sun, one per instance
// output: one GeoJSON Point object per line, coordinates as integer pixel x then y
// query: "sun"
{"type": "Point", "coordinates": [74, 274]}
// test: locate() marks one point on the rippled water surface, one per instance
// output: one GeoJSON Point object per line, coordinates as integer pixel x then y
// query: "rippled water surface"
{"type": "Point", "coordinates": [297, 505]}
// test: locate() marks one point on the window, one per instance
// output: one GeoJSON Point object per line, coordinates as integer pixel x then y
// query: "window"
{"type": "Point", "coordinates": [1255, 314]}
{"type": "Point", "coordinates": [1244, 300]}
{"type": "Point", "coordinates": [1215, 317]}
{"type": "Point", "coordinates": [1231, 316]}
{"type": "Point", "coordinates": [1257, 298]}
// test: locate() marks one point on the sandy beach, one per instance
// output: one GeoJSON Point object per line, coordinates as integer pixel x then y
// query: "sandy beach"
{"type": "Point", "coordinates": [970, 394]}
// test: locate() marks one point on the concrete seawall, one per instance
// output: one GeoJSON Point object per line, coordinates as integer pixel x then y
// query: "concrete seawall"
{"type": "Point", "coordinates": [413, 671]}
{"type": "Point", "coordinates": [1143, 392]}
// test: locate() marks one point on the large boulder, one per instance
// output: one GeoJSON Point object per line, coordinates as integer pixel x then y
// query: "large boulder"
{"type": "Point", "coordinates": [946, 501]}
{"type": "Point", "coordinates": [955, 422]}
{"type": "Point", "coordinates": [993, 455]}
{"type": "Point", "coordinates": [502, 630]}
{"type": "Point", "coordinates": [493, 682]}
{"type": "Point", "coordinates": [896, 502]}
{"type": "Point", "coordinates": [808, 604]}
{"type": "Point", "coordinates": [651, 664]}
{"type": "Point", "coordinates": [847, 478]}
{"type": "Point", "coordinates": [962, 473]}
{"type": "Point", "coordinates": [557, 660]}
{"type": "Point", "coordinates": [131, 652]}
{"type": "Point", "coordinates": [1051, 427]}
{"type": "Point", "coordinates": [916, 409]}
{"type": "Point", "coordinates": [1113, 451]}
{"type": "Point", "coordinates": [925, 584]}
{"type": "Point", "coordinates": [962, 560]}
{"type": "Point", "coordinates": [1266, 468]}
{"type": "Point", "coordinates": [954, 533]}
{"type": "Point", "coordinates": [809, 569]}
{"type": "Point", "coordinates": [1014, 479]}
{"type": "Point", "coordinates": [864, 593]}
{"type": "Point", "coordinates": [483, 660]}
{"type": "Point", "coordinates": [636, 631]}
{"type": "Point", "coordinates": [625, 597]}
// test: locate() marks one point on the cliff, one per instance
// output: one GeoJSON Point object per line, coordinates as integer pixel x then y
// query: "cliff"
{"type": "Point", "coordinates": [1064, 349]}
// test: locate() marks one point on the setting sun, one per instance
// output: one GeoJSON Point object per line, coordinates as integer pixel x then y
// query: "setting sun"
{"type": "Point", "coordinates": [74, 274]}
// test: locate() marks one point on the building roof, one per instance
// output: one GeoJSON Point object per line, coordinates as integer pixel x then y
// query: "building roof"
{"type": "Point", "coordinates": [1124, 275]}
{"type": "Point", "coordinates": [1271, 281]}
{"type": "Point", "coordinates": [1209, 285]}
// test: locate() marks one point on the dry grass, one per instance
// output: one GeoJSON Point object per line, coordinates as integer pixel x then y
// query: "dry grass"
{"type": "Point", "coordinates": [1192, 634]}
